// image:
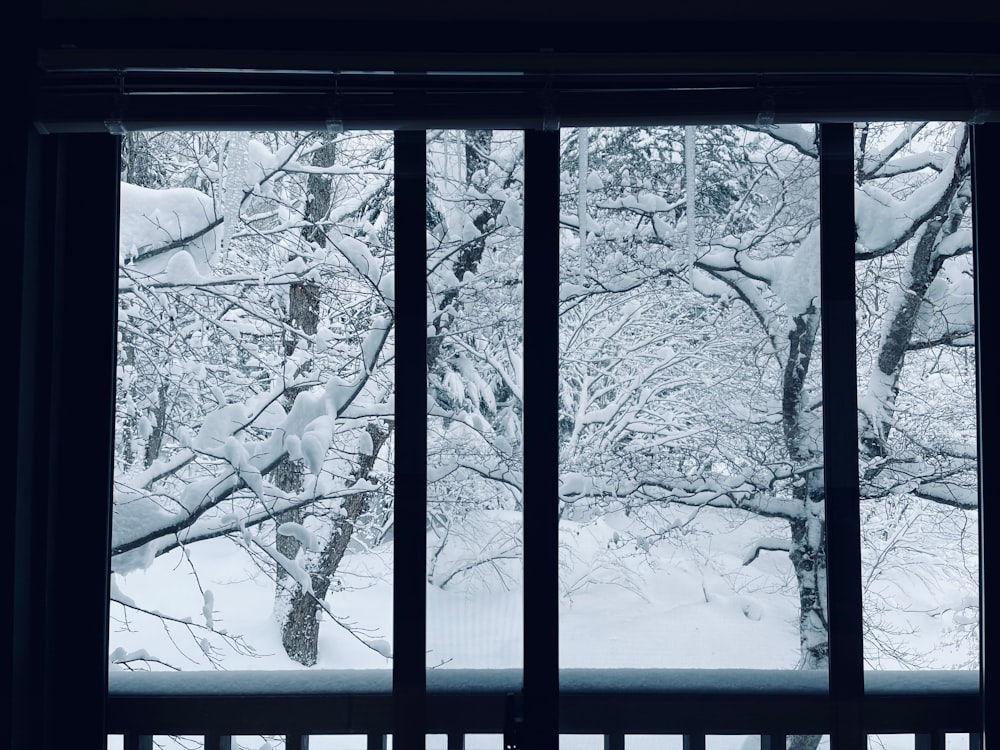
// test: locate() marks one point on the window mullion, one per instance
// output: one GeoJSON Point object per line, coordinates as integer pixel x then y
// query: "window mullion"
{"type": "Point", "coordinates": [840, 432]}
{"type": "Point", "coordinates": [541, 448]}
{"type": "Point", "coordinates": [410, 502]}
{"type": "Point", "coordinates": [985, 199]}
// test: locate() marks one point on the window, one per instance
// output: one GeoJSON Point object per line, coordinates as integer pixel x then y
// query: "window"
{"type": "Point", "coordinates": [254, 402]}
{"type": "Point", "coordinates": [541, 346]}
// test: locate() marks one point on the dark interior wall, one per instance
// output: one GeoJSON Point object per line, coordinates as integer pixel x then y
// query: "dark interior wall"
{"type": "Point", "coordinates": [943, 16]}
{"type": "Point", "coordinates": [799, 28]}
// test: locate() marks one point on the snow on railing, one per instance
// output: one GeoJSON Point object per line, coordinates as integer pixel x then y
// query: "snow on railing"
{"type": "Point", "coordinates": [611, 703]}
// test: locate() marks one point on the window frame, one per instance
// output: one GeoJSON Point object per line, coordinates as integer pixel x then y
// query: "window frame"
{"type": "Point", "coordinates": [60, 285]}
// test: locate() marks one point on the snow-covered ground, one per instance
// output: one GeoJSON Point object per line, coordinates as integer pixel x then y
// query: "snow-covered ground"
{"type": "Point", "coordinates": [690, 604]}
{"type": "Point", "coordinates": [668, 606]}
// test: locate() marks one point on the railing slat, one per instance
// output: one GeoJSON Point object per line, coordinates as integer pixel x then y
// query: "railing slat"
{"type": "Point", "coordinates": [614, 741]}
{"type": "Point", "coordinates": [296, 741]}
{"type": "Point", "coordinates": [929, 741]}
{"type": "Point", "coordinates": [135, 741]}
{"type": "Point", "coordinates": [219, 742]}
{"type": "Point", "coordinates": [772, 742]}
{"type": "Point", "coordinates": [456, 741]}
{"type": "Point", "coordinates": [376, 742]}
{"type": "Point", "coordinates": [694, 742]}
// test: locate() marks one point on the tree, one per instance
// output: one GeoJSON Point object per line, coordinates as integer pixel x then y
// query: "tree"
{"type": "Point", "coordinates": [661, 409]}
{"type": "Point", "coordinates": [256, 325]}
{"type": "Point", "coordinates": [474, 367]}
{"type": "Point", "coordinates": [255, 378]}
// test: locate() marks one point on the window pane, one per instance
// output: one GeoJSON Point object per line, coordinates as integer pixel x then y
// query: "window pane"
{"type": "Point", "coordinates": [483, 741]}
{"type": "Point", "coordinates": [581, 742]}
{"type": "Point", "coordinates": [474, 346]}
{"type": "Point", "coordinates": [654, 742]}
{"type": "Point", "coordinates": [890, 742]}
{"type": "Point", "coordinates": [258, 742]}
{"type": "Point", "coordinates": [917, 396]}
{"type": "Point", "coordinates": [253, 450]}
{"type": "Point", "coordinates": [690, 413]}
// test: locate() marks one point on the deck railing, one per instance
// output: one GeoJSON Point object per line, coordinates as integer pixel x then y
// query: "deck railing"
{"type": "Point", "coordinates": [611, 703]}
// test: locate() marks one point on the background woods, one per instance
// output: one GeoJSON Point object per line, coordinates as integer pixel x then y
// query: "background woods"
{"type": "Point", "coordinates": [255, 398]}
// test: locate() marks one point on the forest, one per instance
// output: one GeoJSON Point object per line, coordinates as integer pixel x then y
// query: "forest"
{"type": "Point", "coordinates": [254, 443]}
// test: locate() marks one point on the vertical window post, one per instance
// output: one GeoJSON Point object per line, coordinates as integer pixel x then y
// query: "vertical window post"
{"type": "Point", "coordinates": [410, 503]}
{"type": "Point", "coordinates": [840, 432]}
{"type": "Point", "coordinates": [541, 439]}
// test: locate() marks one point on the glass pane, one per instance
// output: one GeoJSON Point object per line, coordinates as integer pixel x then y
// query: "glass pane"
{"type": "Point", "coordinates": [957, 741]}
{"type": "Point", "coordinates": [253, 453]}
{"type": "Point", "coordinates": [917, 396]}
{"type": "Point", "coordinates": [258, 742]}
{"type": "Point", "coordinates": [890, 742]}
{"type": "Point", "coordinates": [474, 345]}
{"type": "Point", "coordinates": [690, 412]}
{"type": "Point", "coordinates": [178, 742]}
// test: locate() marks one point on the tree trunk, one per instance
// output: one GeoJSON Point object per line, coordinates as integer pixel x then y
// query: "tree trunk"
{"type": "Point", "coordinates": [298, 611]}
{"type": "Point", "coordinates": [924, 264]}
{"type": "Point", "coordinates": [155, 441]}
{"type": "Point", "coordinates": [301, 618]}
{"type": "Point", "coordinates": [808, 556]}
{"type": "Point", "coordinates": [808, 530]}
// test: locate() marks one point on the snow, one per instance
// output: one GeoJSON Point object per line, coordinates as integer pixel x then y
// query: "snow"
{"type": "Point", "coordinates": [803, 138]}
{"type": "Point", "coordinates": [658, 681]}
{"type": "Point", "coordinates": [181, 269]}
{"type": "Point", "coordinates": [208, 610]}
{"type": "Point", "coordinates": [236, 453]}
{"type": "Point", "coordinates": [796, 280]}
{"type": "Point", "coordinates": [299, 574]}
{"type": "Point", "coordinates": [358, 254]}
{"type": "Point", "coordinates": [153, 219]}
{"type": "Point", "coordinates": [365, 445]}
{"type": "Point", "coordinates": [694, 681]}
{"type": "Point", "coordinates": [338, 394]}
{"type": "Point", "coordinates": [253, 682]}
{"type": "Point", "coordinates": [316, 442]}
{"type": "Point", "coordinates": [512, 214]}
{"type": "Point", "coordinates": [293, 445]}
{"type": "Point", "coordinates": [218, 427]}
{"type": "Point", "coordinates": [305, 537]}
{"type": "Point", "coordinates": [882, 219]}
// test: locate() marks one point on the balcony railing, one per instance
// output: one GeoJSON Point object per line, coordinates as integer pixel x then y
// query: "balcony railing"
{"type": "Point", "coordinates": [611, 703]}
